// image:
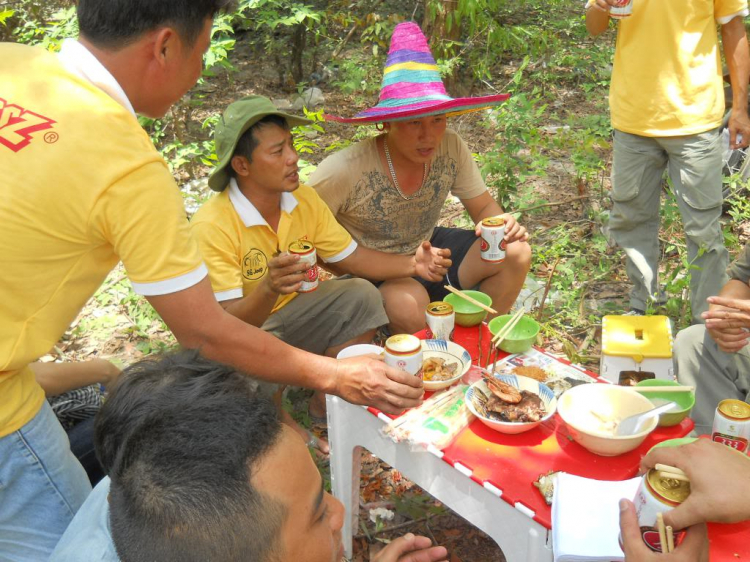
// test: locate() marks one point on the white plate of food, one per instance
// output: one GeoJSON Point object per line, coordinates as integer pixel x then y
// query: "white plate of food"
{"type": "Point", "coordinates": [511, 403]}
{"type": "Point", "coordinates": [443, 363]}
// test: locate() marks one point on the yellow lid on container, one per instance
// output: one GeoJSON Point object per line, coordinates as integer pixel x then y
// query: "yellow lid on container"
{"type": "Point", "coordinates": [638, 337]}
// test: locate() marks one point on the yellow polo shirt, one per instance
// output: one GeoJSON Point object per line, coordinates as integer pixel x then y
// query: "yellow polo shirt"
{"type": "Point", "coordinates": [666, 78]}
{"type": "Point", "coordinates": [237, 243]}
{"type": "Point", "coordinates": [82, 188]}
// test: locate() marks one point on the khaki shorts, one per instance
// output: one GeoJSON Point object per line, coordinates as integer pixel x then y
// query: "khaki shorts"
{"type": "Point", "coordinates": [337, 311]}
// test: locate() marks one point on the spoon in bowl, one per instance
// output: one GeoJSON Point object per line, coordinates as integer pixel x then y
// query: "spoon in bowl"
{"type": "Point", "coordinates": [633, 424]}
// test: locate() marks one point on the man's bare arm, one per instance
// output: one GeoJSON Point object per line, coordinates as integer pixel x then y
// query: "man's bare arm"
{"type": "Point", "coordinates": [198, 322]}
{"type": "Point", "coordinates": [734, 38]}
{"type": "Point", "coordinates": [429, 263]}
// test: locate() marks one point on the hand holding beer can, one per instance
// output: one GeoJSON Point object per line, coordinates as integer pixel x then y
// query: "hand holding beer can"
{"type": "Point", "coordinates": [492, 246]}
{"type": "Point", "coordinates": [307, 254]}
{"type": "Point", "coordinates": [658, 494]}
{"type": "Point", "coordinates": [404, 351]}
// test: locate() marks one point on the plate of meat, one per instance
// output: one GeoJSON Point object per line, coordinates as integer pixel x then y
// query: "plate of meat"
{"type": "Point", "coordinates": [511, 403]}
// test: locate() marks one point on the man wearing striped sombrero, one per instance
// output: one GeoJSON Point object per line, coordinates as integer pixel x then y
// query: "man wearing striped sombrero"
{"type": "Point", "coordinates": [388, 191]}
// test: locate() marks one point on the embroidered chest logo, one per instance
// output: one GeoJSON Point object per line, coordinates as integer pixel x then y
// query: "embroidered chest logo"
{"type": "Point", "coordinates": [254, 265]}
{"type": "Point", "coordinates": [19, 125]}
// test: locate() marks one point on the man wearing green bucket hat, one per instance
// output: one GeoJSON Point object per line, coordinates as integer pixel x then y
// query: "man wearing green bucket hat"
{"type": "Point", "coordinates": [245, 232]}
{"type": "Point", "coordinates": [388, 191]}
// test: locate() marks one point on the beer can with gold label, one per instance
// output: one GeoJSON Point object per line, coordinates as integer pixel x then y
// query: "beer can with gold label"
{"type": "Point", "coordinates": [308, 255]}
{"type": "Point", "coordinates": [492, 245]}
{"type": "Point", "coordinates": [441, 320]}
{"type": "Point", "coordinates": [404, 352]}
{"type": "Point", "coordinates": [657, 494]}
{"type": "Point", "coordinates": [732, 425]}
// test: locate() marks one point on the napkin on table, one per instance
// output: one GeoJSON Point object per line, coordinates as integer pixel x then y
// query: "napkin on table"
{"type": "Point", "coordinates": [586, 518]}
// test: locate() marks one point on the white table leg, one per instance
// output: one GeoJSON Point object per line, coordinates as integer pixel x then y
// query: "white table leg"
{"type": "Point", "coordinates": [521, 538]}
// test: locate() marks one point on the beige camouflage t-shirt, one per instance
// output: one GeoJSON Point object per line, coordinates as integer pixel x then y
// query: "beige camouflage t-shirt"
{"type": "Point", "coordinates": [359, 191]}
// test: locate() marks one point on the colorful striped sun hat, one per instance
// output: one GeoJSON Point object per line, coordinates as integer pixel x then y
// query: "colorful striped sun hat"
{"type": "Point", "coordinates": [412, 86]}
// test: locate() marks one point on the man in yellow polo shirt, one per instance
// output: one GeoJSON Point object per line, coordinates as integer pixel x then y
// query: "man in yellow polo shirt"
{"type": "Point", "coordinates": [667, 104]}
{"type": "Point", "coordinates": [245, 232]}
{"type": "Point", "coordinates": [84, 188]}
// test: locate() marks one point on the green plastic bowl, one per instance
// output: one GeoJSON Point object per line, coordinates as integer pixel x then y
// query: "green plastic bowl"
{"type": "Point", "coordinates": [468, 314]}
{"type": "Point", "coordinates": [678, 442]}
{"type": "Point", "coordinates": [685, 400]}
{"type": "Point", "coordinates": [521, 337]}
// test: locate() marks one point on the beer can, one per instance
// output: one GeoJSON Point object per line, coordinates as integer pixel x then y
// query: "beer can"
{"type": "Point", "coordinates": [492, 245]}
{"type": "Point", "coordinates": [308, 255]}
{"type": "Point", "coordinates": [623, 9]}
{"type": "Point", "coordinates": [441, 320]}
{"type": "Point", "coordinates": [732, 424]}
{"type": "Point", "coordinates": [657, 494]}
{"type": "Point", "coordinates": [404, 352]}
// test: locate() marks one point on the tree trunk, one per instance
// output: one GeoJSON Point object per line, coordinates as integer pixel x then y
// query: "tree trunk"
{"type": "Point", "coordinates": [435, 25]}
{"type": "Point", "coordinates": [298, 49]}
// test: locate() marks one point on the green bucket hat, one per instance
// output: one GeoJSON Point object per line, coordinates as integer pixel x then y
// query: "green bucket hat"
{"type": "Point", "coordinates": [235, 121]}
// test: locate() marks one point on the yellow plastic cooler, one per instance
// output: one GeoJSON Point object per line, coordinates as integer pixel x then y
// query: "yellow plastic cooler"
{"type": "Point", "coordinates": [636, 343]}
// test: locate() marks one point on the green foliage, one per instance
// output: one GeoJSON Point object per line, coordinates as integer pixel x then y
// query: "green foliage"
{"type": "Point", "coordinates": [515, 155]}
{"type": "Point", "coordinates": [288, 30]}
{"type": "Point", "coordinates": [39, 24]}
{"type": "Point", "coordinates": [222, 43]}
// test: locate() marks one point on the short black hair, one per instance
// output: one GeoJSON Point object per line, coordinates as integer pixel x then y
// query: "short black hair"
{"type": "Point", "coordinates": [248, 142]}
{"type": "Point", "coordinates": [180, 436]}
{"type": "Point", "coordinates": [113, 24]}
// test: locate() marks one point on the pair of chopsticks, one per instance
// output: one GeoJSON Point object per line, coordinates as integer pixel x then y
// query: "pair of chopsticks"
{"type": "Point", "coordinates": [503, 333]}
{"type": "Point", "coordinates": [470, 299]}
{"type": "Point", "coordinates": [666, 534]}
{"type": "Point", "coordinates": [666, 471]}
{"type": "Point", "coordinates": [475, 302]}
{"type": "Point", "coordinates": [663, 388]}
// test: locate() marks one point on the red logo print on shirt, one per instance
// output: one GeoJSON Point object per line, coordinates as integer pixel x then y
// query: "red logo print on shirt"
{"type": "Point", "coordinates": [17, 125]}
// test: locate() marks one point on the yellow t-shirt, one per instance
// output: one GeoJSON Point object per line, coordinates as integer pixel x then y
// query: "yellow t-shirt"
{"type": "Point", "coordinates": [237, 243]}
{"type": "Point", "coordinates": [666, 79]}
{"type": "Point", "coordinates": [83, 188]}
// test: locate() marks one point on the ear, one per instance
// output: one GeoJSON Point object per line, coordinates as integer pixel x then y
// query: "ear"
{"type": "Point", "coordinates": [164, 45]}
{"type": "Point", "coordinates": [240, 165]}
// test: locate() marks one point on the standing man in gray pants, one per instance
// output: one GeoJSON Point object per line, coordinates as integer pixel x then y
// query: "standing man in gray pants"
{"type": "Point", "coordinates": [715, 357]}
{"type": "Point", "coordinates": [667, 103]}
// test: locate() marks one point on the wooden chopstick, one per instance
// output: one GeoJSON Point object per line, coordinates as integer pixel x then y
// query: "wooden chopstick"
{"type": "Point", "coordinates": [674, 476]}
{"type": "Point", "coordinates": [508, 328]}
{"type": "Point", "coordinates": [662, 533]}
{"type": "Point", "coordinates": [667, 468]}
{"type": "Point", "coordinates": [670, 539]}
{"type": "Point", "coordinates": [663, 388]}
{"type": "Point", "coordinates": [505, 330]}
{"type": "Point", "coordinates": [470, 299]}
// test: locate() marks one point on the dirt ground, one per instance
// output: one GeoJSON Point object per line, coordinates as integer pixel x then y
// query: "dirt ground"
{"type": "Point", "coordinates": [106, 329]}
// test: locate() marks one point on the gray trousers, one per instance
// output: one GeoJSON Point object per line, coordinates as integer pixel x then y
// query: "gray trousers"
{"type": "Point", "coordinates": [694, 164]}
{"type": "Point", "coordinates": [715, 374]}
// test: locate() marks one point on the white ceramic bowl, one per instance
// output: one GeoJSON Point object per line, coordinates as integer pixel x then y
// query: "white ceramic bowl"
{"type": "Point", "coordinates": [450, 351]}
{"type": "Point", "coordinates": [610, 401]}
{"type": "Point", "coordinates": [521, 383]}
{"type": "Point", "coordinates": [359, 349]}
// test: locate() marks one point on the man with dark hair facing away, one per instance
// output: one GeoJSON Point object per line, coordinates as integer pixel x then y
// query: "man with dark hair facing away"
{"type": "Point", "coordinates": [262, 209]}
{"type": "Point", "coordinates": [202, 469]}
{"type": "Point", "coordinates": [84, 188]}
